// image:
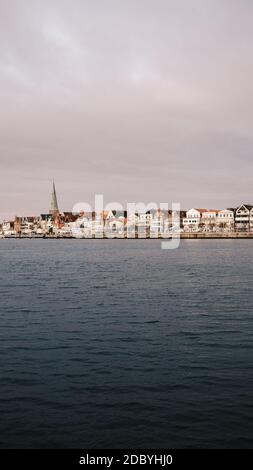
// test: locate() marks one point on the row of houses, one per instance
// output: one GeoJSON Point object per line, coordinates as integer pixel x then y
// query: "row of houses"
{"type": "Point", "coordinates": [84, 224]}
{"type": "Point", "coordinates": [227, 220]}
{"type": "Point", "coordinates": [153, 223]}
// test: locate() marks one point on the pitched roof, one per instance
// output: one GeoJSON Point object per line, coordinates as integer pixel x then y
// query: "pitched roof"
{"type": "Point", "coordinates": [54, 203]}
{"type": "Point", "coordinates": [247, 206]}
{"type": "Point", "coordinates": [202, 210]}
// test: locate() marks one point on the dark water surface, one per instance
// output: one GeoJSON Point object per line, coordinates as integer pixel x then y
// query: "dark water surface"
{"type": "Point", "coordinates": [108, 344]}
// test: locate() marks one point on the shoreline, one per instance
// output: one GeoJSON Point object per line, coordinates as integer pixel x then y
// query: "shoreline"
{"type": "Point", "coordinates": [182, 236]}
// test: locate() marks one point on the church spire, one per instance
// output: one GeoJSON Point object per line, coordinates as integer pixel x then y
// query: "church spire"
{"type": "Point", "coordinates": [54, 210]}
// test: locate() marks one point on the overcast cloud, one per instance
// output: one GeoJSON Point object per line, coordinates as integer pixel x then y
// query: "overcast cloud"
{"type": "Point", "coordinates": [141, 100]}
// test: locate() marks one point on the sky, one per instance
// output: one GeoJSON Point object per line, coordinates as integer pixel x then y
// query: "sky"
{"type": "Point", "coordinates": [138, 100]}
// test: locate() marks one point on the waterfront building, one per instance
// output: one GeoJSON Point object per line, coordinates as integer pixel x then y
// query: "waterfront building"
{"type": "Point", "coordinates": [62, 223]}
{"type": "Point", "coordinates": [8, 228]}
{"type": "Point", "coordinates": [182, 217]}
{"type": "Point", "coordinates": [131, 224]}
{"type": "Point", "coordinates": [156, 223]}
{"type": "Point", "coordinates": [209, 220]}
{"type": "Point", "coordinates": [244, 218]}
{"type": "Point", "coordinates": [115, 228]}
{"type": "Point", "coordinates": [26, 225]}
{"type": "Point", "coordinates": [45, 224]}
{"type": "Point", "coordinates": [143, 225]}
{"type": "Point", "coordinates": [225, 220]}
{"type": "Point", "coordinates": [98, 225]}
{"type": "Point", "coordinates": [192, 221]}
{"type": "Point", "coordinates": [167, 222]}
{"type": "Point", "coordinates": [82, 226]}
{"type": "Point", "coordinates": [115, 224]}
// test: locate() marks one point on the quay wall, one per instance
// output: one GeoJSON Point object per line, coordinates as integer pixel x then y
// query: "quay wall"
{"type": "Point", "coordinates": [231, 235]}
{"type": "Point", "coordinates": [183, 236]}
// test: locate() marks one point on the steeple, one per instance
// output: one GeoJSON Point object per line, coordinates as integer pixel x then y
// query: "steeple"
{"type": "Point", "coordinates": [54, 210]}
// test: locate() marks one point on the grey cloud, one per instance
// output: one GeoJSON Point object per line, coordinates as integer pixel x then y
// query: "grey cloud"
{"type": "Point", "coordinates": [147, 100]}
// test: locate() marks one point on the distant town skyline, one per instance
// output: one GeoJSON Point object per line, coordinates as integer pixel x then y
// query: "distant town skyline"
{"type": "Point", "coordinates": [139, 101]}
{"type": "Point", "coordinates": [99, 205]}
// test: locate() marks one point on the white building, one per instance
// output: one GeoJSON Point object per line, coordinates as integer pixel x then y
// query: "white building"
{"type": "Point", "coordinates": [139, 224]}
{"type": "Point", "coordinates": [26, 226]}
{"type": "Point", "coordinates": [244, 218]}
{"type": "Point", "coordinates": [82, 227]}
{"type": "Point", "coordinates": [8, 229]}
{"type": "Point", "coordinates": [225, 220]}
{"type": "Point", "coordinates": [157, 223]}
{"type": "Point", "coordinates": [98, 226]}
{"type": "Point", "coordinates": [114, 226]}
{"type": "Point", "coordinates": [209, 220]}
{"type": "Point", "coordinates": [191, 223]}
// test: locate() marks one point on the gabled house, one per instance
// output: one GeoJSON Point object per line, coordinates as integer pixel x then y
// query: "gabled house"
{"type": "Point", "coordinates": [115, 224]}
{"type": "Point", "coordinates": [243, 218]}
{"type": "Point", "coordinates": [63, 222]}
{"type": "Point", "coordinates": [191, 223]}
